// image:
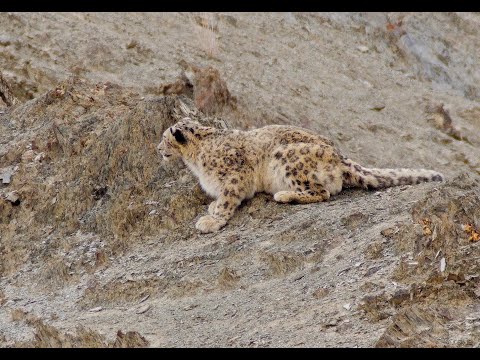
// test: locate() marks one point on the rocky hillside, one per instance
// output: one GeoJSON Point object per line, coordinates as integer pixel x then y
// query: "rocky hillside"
{"type": "Point", "coordinates": [97, 239]}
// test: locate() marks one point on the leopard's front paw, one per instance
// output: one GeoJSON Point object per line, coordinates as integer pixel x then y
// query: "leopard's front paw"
{"type": "Point", "coordinates": [208, 223]}
{"type": "Point", "coordinates": [211, 207]}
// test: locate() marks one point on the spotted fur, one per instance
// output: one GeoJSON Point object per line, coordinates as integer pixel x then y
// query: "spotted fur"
{"type": "Point", "coordinates": [355, 175]}
{"type": "Point", "coordinates": [291, 163]}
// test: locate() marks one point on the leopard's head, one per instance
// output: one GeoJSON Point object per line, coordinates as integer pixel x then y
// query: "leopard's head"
{"type": "Point", "coordinates": [178, 139]}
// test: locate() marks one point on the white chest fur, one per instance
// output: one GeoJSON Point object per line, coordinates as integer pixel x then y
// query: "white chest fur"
{"type": "Point", "coordinates": [207, 183]}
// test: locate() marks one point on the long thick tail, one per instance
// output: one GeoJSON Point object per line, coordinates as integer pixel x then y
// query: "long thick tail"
{"type": "Point", "coordinates": [355, 175]}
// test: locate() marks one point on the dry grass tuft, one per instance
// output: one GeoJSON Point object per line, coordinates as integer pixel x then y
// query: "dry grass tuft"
{"type": "Point", "coordinates": [47, 336]}
{"type": "Point", "coordinates": [282, 263]}
{"type": "Point", "coordinates": [116, 292]}
{"type": "Point", "coordinates": [6, 94]}
{"type": "Point", "coordinates": [205, 27]}
{"type": "Point", "coordinates": [3, 339]}
{"type": "Point", "coordinates": [415, 327]}
{"type": "Point", "coordinates": [3, 298]}
{"type": "Point", "coordinates": [131, 339]}
{"type": "Point", "coordinates": [18, 315]}
{"type": "Point", "coordinates": [187, 287]}
{"type": "Point", "coordinates": [56, 272]}
{"type": "Point", "coordinates": [442, 120]}
{"type": "Point", "coordinates": [228, 278]}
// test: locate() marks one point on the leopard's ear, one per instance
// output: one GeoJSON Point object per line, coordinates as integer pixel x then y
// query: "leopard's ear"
{"type": "Point", "coordinates": [179, 137]}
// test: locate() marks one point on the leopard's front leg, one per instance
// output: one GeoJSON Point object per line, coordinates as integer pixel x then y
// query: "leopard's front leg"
{"type": "Point", "coordinates": [220, 211]}
{"type": "Point", "coordinates": [211, 207]}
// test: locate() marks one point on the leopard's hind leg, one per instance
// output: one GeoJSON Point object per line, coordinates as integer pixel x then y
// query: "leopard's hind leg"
{"type": "Point", "coordinates": [308, 173]}
{"type": "Point", "coordinates": [302, 197]}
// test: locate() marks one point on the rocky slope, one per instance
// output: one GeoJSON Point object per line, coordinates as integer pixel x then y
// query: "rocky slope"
{"type": "Point", "coordinates": [97, 238]}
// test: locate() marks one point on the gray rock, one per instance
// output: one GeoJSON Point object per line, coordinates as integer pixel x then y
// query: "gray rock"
{"type": "Point", "coordinates": [6, 175]}
{"type": "Point", "coordinates": [13, 197]}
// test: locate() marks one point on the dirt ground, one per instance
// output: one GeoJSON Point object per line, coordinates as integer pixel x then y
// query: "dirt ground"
{"type": "Point", "coordinates": [97, 240]}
